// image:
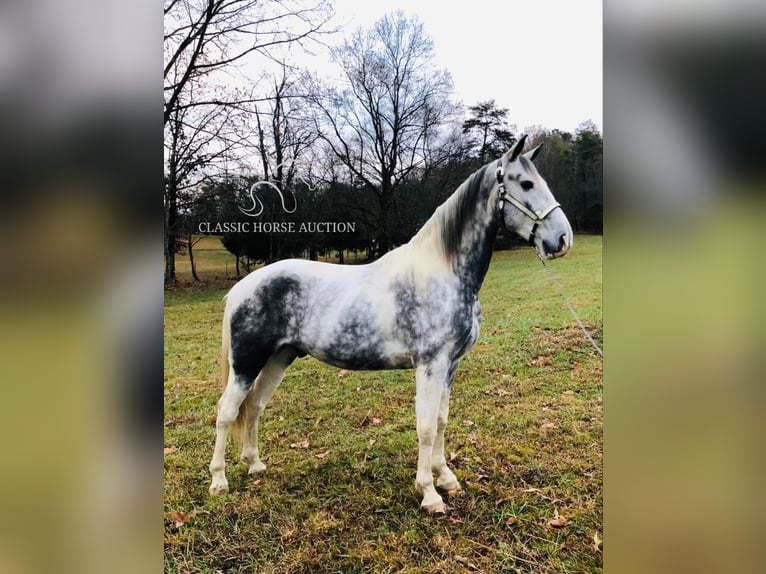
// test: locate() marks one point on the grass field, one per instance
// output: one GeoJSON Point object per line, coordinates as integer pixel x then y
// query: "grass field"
{"type": "Point", "coordinates": [213, 261]}
{"type": "Point", "coordinates": [524, 439]}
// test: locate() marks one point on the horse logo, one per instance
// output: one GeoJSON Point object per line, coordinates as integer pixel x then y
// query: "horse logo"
{"type": "Point", "coordinates": [257, 207]}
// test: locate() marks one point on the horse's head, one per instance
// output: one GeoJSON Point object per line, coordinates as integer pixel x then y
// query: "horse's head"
{"type": "Point", "coordinates": [528, 206]}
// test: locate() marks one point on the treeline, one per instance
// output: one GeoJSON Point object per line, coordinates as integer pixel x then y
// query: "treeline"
{"type": "Point", "coordinates": [571, 163]}
{"type": "Point", "coordinates": [379, 148]}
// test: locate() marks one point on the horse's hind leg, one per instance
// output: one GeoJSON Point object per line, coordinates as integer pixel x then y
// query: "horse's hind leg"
{"type": "Point", "coordinates": [237, 388]}
{"type": "Point", "coordinates": [267, 382]}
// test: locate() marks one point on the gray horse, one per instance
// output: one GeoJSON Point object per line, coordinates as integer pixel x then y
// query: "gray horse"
{"type": "Point", "coordinates": [417, 307]}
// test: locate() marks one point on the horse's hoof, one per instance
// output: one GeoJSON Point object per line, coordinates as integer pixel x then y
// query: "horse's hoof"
{"type": "Point", "coordinates": [256, 469]}
{"type": "Point", "coordinates": [436, 509]}
{"type": "Point", "coordinates": [455, 491]}
{"type": "Point", "coordinates": [450, 488]}
{"type": "Point", "coordinates": [218, 489]}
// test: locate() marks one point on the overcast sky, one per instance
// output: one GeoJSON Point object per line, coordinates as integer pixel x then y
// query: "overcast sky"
{"type": "Point", "coordinates": [541, 59]}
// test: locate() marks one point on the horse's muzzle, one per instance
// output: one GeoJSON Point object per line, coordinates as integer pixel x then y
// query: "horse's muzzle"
{"type": "Point", "coordinates": [560, 250]}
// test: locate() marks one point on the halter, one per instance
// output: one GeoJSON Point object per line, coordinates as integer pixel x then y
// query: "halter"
{"type": "Point", "coordinates": [535, 216]}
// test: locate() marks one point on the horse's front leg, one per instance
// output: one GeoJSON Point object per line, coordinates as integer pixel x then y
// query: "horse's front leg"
{"type": "Point", "coordinates": [430, 383]}
{"type": "Point", "coordinates": [445, 478]}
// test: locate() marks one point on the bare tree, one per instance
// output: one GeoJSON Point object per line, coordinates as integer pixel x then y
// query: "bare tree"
{"type": "Point", "coordinates": [203, 36]}
{"type": "Point", "coordinates": [286, 129]}
{"type": "Point", "coordinates": [382, 122]}
{"type": "Point", "coordinates": [197, 143]}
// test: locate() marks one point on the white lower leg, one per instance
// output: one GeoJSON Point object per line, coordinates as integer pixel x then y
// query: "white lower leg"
{"type": "Point", "coordinates": [429, 389]}
{"type": "Point", "coordinates": [424, 478]}
{"type": "Point", "coordinates": [265, 384]}
{"type": "Point", "coordinates": [228, 408]}
{"type": "Point", "coordinates": [445, 478]}
{"type": "Point", "coordinates": [250, 454]}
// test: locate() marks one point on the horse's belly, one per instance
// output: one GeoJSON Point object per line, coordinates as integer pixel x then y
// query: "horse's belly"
{"type": "Point", "coordinates": [363, 358]}
{"type": "Point", "coordinates": [354, 332]}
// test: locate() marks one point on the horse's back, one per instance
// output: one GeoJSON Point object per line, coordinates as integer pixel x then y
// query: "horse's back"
{"type": "Point", "coordinates": [291, 302]}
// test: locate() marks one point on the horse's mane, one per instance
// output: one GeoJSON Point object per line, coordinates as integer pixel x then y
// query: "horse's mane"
{"type": "Point", "coordinates": [447, 224]}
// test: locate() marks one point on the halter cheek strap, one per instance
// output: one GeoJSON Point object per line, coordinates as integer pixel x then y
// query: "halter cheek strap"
{"type": "Point", "coordinates": [535, 216]}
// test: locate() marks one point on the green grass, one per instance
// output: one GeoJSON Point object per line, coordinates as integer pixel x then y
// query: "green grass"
{"type": "Point", "coordinates": [356, 509]}
{"type": "Point", "coordinates": [210, 257]}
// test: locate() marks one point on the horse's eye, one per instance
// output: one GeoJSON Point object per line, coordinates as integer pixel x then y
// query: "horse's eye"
{"type": "Point", "coordinates": [527, 185]}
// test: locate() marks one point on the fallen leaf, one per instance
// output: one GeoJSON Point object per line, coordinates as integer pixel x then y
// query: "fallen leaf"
{"type": "Point", "coordinates": [376, 420]}
{"type": "Point", "coordinates": [373, 441]}
{"type": "Point", "coordinates": [557, 521]}
{"type": "Point", "coordinates": [511, 521]}
{"type": "Point", "coordinates": [468, 423]}
{"type": "Point", "coordinates": [343, 372]}
{"type": "Point", "coordinates": [501, 392]}
{"type": "Point", "coordinates": [212, 420]}
{"type": "Point", "coordinates": [540, 361]}
{"type": "Point", "coordinates": [548, 425]}
{"type": "Point", "coordinates": [322, 454]}
{"type": "Point", "coordinates": [182, 518]}
{"type": "Point", "coordinates": [597, 542]}
{"type": "Point", "coordinates": [170, 449]}
{"type": "Point", "coordinates": [465, 562]}
{"type": "Point", "coordinates": [303, 444]}
{"type": "Point", "coordinates": [452, 456]}
{"type": "Point", "coordinates": [454, 520]}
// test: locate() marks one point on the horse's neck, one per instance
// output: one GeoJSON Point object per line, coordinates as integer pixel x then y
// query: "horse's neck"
{"type": "Point", "coordinates": [465, 242]}
{"type": "Point", "coordinates": [472, 261]}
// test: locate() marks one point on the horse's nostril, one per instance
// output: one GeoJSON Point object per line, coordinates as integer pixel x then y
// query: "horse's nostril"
{"type": "Point", "coordinates": [563, 242]}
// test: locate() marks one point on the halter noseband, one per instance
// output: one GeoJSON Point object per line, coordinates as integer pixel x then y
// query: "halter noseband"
{"type": "Point", "coordinates": [535, 216]}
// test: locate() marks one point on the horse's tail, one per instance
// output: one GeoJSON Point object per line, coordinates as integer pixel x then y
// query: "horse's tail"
{"type": "Point", "coordinates": [238, 427]}
{"type": "Point", "coordinates": [225, 345]}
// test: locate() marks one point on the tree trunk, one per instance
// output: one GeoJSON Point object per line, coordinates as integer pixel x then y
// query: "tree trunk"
{"type": "Point", "coordinates": [384, 243]}
{"type": "Point", "coordinates": [171, 220]}
{"type": "Point", "coordinates": [191, 258]}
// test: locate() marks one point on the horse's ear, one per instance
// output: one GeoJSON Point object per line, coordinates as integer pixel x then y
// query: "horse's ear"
{"type": "Point", "coordinates": [515, 151]}
{"type": "Point", "coordinates": [532, 154]}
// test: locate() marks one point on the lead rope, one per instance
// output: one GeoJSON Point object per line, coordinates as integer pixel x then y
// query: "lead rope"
{"type": "Point", "coordinates": [569, 305]}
